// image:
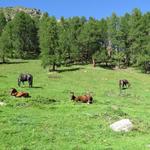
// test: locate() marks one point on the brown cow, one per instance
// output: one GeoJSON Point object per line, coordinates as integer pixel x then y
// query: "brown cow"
{"type": "Point", "coordinates": [84, 98]}
{"type": "Point", "coordinates": [15, 93]}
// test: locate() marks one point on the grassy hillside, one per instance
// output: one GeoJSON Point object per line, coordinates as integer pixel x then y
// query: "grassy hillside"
{"type": "Point", "coordinates": [50, 120]}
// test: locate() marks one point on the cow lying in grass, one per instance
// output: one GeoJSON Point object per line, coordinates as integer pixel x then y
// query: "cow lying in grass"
{"type": "Point", "coordinates": [84, 98]}
{"type": "Point", "coordinates": [15, 93]}
{"type": "Point", "coordinates": [123, 84]}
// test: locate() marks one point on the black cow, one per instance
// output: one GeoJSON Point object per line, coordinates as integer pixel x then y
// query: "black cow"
{"type": "Point", "coordinates": [124, 84]}
{"type": "Point", "coordinates": [146, 66]}
{"type": "Point", "coordinates": [25, 77]}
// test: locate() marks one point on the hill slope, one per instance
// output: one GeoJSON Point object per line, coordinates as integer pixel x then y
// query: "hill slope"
{"type": "Point", "coordinates": [11, 11]}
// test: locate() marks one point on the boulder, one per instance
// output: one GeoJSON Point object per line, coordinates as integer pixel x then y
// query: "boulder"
{"type": "Point", "coordinates": [2, 103]}
{"type": "Point", "coordinates": [122, 125]}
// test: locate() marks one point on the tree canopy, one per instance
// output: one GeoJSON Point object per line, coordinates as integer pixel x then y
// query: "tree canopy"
{"type": "Point", "coordinates": [120, 40]}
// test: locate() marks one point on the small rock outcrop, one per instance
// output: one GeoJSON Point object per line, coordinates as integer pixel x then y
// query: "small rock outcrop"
{"type": "Point", "coordinates": [2, 104]}
{"type": "Point", "coordinates": [10, 12]}
{"type": "Point", "coordinates": [122, 125]}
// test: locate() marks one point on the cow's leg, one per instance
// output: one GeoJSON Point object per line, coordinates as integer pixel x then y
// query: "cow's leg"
{"type": "Point", "coordinates": [120, 86]}
{"type": "Point", "coordinates": [124, 85]}
{"type": "Point", "coordinates": [29, 83]}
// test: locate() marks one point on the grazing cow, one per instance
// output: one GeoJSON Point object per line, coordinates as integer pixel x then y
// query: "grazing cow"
{"type": "Point", "coordinates": [25, 77]}
{"type": "Point", "coordinates": [146, 66]}
{"type": "Point", "coordinates": [124, 84]}
{"type": "Point", "coordinates": [15, 93]}
{"type": "Point", "coordinates": [84, 98]}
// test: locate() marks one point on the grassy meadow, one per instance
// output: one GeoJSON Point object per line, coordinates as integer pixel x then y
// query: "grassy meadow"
{"type": "Point", "coordinates": [49, 120]}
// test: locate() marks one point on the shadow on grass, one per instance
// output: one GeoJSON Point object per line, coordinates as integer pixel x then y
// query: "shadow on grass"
{"type": "Point", "coordinates": [68, 70]}
{"type": "Point", "coordinates": [43, 100]}
{"type": "Point", "coordinates": [1, 76]}
{"type": "Point", "coordinates": [141, 70]}
{"type": "Point", "coordinates": [111, 66]}
{"type": "Point", "coordinates": [14, 62]}
{"type": "Point", "coordinates": [108, 67]}
{"type": "Point", "coordinates": [54, 76]}
{"type": "Point", "coordinates": [37, 87]}
{"type": "Point", "coordinates": [34, 87]}
{"type": "Point", "coordinates": [17, 62]}
{"type": "Point", "coordinates": [124, 88]}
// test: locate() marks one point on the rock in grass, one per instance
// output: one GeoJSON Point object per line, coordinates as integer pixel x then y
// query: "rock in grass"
{"type": "Point", "coordinates": [122, 125]}
{"type": "Point", "coordinates": [148, 145]}
{"type": "Point", "coordinates": [2, 103]}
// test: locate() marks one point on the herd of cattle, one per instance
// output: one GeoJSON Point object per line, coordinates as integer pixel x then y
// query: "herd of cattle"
{"type": "Point", "coordinates": [87, 98]}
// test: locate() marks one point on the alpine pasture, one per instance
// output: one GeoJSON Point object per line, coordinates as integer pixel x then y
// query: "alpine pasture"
{"type": "Point", "coordinates": [50, 120]}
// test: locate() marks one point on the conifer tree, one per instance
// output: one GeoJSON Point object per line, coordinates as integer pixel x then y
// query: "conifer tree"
{"type": "Point", "coordinates": [2, 22]}
{"type": "Point", "coordinates": [48, 33]}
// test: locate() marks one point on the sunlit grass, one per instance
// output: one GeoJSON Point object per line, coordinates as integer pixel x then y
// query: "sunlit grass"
{"type": "Point", "coordinates": [50, 120]}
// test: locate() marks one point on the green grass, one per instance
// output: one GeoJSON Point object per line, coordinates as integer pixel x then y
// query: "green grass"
{"type": "Point", "coordinates": [49, 120]}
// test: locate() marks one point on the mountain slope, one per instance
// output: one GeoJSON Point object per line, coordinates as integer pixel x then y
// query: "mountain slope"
{"type": "Point", "coordinates": [11, 11]}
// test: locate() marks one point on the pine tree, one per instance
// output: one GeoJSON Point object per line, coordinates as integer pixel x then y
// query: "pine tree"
{"type": "Point", "coordinates": [123, 34]}
{"type": "Point", "coordinates": [101, 54]}
{"type": "Point", "coordinates": [65, 41]}
{"type": "Point", "coordinates": [75, 28]}
{"type": "Point", "coordinates": [48, 33]}
{"type": "Point", "coordinates": [113, 29]}
{"type": "Point", "coordinates": [136, 34]}
{"type": "Point", "coordinates": [3, 22]}
{"type": "Point", "coordinates": [25, 36]}
{"type": "Point", "coordinates": [6, 42]}
{"type": "Point", "coordinates": [89, 39]}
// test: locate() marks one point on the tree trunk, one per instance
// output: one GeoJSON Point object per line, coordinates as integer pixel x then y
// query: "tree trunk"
{"type": "Point", "coordinates": [128, 62]}
{"type": "Point", "coordinates": [3, 59]}
{"type": "Point", "coordinates": [54, 67]}
{"type": "Point", "coordinates": [119, 64]}
{"type": "Point", "coordinates": [94, 63]}
{"type": "Point", "coordinates": [106, 64]}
